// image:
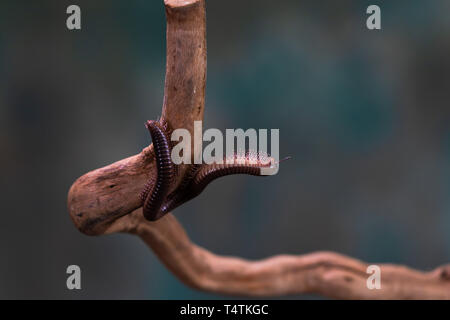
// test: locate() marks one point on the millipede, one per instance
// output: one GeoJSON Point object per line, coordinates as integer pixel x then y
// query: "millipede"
{"type": "Point", "coordinates": [156, 201]}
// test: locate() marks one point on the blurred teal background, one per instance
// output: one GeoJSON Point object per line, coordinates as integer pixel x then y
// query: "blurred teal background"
{"type": "Point", "coordinates": [364, 114]}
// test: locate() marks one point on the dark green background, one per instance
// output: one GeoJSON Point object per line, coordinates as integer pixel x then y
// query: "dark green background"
{"type": "Point", "coordinates": [364, 114]}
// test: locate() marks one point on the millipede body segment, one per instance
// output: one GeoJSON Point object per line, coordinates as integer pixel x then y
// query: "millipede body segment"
{"type": "Point", "coordinates": [156, 192]}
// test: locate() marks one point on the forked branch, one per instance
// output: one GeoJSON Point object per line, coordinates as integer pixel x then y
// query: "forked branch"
{"type": "Point", "coordinates": [107, 200]}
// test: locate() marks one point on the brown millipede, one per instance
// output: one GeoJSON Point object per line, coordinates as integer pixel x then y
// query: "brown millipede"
{"type": "Point", "coordinates": [157, 202]}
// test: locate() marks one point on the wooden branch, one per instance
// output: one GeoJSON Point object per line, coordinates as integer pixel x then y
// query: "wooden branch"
{"type": "Point", "coordinates": [99, 197]}
{"type": "Point", "coordinates": [325, 273]}
{"type": "Point", "coordinates": [106, 200]}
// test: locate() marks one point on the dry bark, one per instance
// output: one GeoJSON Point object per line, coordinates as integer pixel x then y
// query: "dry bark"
{"type": "Point", "coordinates": [326, 273]}
{"type": "Point", "coordinates": [107, 200]}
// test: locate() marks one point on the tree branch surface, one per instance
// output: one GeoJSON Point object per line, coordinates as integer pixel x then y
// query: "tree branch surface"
{"type": "Point", "coordinates": [106, 201]}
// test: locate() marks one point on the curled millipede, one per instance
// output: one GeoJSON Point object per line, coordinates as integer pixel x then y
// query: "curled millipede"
{"type": "Point", "coordinates": [156, 201]}
{"type": "Point", "coordinates": [155, 192]}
